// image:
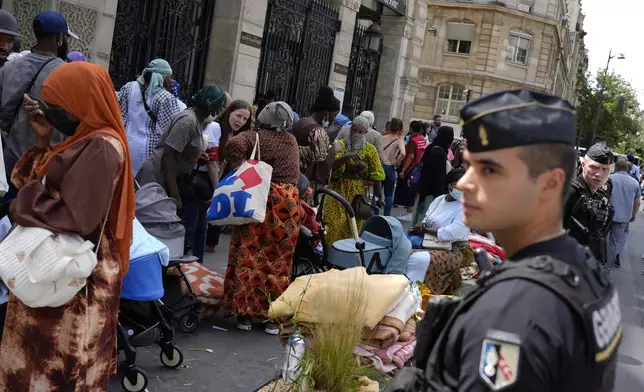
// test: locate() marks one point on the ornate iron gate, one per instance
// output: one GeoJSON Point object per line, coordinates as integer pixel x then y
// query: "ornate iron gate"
{"type": "Point", "coordinates": [363, 75]}
{"type": "Point", "coordinates": [297, 50]}
{"type": "Point", "coordinates": [175, 30]}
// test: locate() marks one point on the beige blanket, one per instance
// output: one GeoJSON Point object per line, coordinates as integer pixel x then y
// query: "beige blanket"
{"type": "Point", "coordinates": [312, 296]}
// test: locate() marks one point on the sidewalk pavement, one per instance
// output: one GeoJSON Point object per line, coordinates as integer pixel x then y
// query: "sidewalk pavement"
{"type": "Point", "coordinates": [630, 285]}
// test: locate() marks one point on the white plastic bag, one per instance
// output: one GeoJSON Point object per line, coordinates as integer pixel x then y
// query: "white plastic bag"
{"type": "Point", "coordinates": [241, 196]}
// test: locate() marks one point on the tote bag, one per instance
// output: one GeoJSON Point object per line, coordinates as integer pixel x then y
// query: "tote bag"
{"type": "Point", "coordinates": [241, 196]}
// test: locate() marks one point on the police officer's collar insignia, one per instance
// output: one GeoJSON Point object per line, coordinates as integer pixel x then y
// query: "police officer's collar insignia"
{"type": "Point", "coordinates": [499, 366]}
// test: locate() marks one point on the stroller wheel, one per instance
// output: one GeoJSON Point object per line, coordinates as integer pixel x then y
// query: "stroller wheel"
{"type": "Point", "coordinates": [134, 380]}
{"type": "Point", "coordinates": [175, 362]}
{"type": "Point", "coordinates": [189, 323]}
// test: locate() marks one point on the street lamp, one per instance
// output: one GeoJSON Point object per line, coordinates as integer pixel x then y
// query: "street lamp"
{"type": "Point", "coordinates": [373, 38]}
{"type": "Point", "coordinates": [611, 56]}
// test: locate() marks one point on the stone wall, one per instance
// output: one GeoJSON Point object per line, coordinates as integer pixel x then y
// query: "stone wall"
{"type": "Point", "coordinates": [91, 20]}
{"type": "Point", "coordinates": [485, 69]}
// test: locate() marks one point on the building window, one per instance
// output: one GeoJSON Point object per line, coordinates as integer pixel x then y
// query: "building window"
{"type": "Point", "coordinates": [460, 36]}
{"type": "Point", "coordinates": [450, 100]}
{"type": "Point", "coordinates": [525, 7]}
{"type": "Point", "coordinates": [456, 46]}
{"type": "Point", "coordinates": [518, 49]}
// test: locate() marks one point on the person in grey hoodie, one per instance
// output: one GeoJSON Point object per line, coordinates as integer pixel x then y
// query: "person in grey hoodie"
{"type": "Point", "coordinates": [26, 75]}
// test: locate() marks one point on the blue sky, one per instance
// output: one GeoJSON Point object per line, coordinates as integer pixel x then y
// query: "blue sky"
{"type": "Point", "coordinates": [616, 24]}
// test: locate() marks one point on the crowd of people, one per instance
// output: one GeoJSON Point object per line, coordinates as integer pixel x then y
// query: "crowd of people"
{"type": "Point", "coordinates": [76, 149]}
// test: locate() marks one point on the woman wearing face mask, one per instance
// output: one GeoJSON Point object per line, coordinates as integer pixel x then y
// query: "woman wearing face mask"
{"type": "Point", "coordinates": [83, 174]}
{"type": "Point", "coordinates": [235, 119]}
{"type": "Point", "coordinates": [356, 162]}
{"type": "Point", "coordinates": [440, 269]}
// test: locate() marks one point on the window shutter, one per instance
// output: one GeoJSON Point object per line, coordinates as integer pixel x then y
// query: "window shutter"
{"type": "Point", "coordinates": [460, 31]}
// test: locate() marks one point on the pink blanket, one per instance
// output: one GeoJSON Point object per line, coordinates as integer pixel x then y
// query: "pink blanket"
{"type": "Point", "coordinates": [398, 353]}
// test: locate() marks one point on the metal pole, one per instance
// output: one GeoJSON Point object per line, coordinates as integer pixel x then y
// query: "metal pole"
{"type": "Point", "coordinates": [601, 97]}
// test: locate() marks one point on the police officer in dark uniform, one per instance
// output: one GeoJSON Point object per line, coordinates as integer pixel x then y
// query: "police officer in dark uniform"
{"type": "Point", "coordinates": [588, 213]}
{"type": "Point", "coordinates": [547, 319]}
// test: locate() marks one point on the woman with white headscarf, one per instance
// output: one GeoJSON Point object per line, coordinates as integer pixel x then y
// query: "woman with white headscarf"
{"type": "Point", "coordinates": [145, 121]}
{"type": "Point", "coordinates": [261, 254]}
{"type": "Point", "coordinates": [356, 163]}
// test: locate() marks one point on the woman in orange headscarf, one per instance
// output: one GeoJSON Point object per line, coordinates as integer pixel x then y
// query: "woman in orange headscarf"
{"type": "Point", "coordinates": [73, 347]}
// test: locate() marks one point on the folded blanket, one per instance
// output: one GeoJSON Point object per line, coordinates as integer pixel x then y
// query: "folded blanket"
{"type": "Point", "coordinates": [368, 352]}
{"type": "Point", "coordinates": [207, 285]}
{"type": "Point", "coordinates": [409, 332]}
{"type": "Point", "coordinates": [309, 295]}
{"type": "Point", "coordinates": [398, 353]}
{"type": "Point", "coordinates": [403, 310]}
{"type": "Point", "coordinates": [382, 336]}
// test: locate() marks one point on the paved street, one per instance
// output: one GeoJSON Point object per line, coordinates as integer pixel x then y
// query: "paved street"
{"type": "Point", "coordinates": [240, 361]}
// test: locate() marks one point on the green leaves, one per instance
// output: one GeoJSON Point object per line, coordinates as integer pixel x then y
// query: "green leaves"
{"type": "Point", "coordinates": [621, 126]}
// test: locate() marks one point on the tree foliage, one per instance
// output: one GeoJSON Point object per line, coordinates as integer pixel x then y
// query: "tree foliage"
{"type": "Point", "coordinates": [621, 131]}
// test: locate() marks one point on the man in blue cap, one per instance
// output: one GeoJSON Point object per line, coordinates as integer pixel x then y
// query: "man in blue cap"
{"type": "Point", "coordinates": [26, 75]}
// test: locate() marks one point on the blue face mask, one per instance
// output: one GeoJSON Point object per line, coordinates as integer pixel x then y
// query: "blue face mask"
{"type": "Point", "coordinates": [456, 194]}
{"type": "Point", "coordinates": [325, 124]}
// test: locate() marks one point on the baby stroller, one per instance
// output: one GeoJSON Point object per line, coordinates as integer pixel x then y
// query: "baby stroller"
{"type": "Point", "coordinates": [381, 246]}
{"type": "Point", "coordinates": [158, 214]}
{"type": "Point", "coordinates": [143, 319]}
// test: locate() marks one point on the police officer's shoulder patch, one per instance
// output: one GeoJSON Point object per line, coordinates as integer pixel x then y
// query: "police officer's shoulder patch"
{"type": "Point", "coordinates": [499, 366]}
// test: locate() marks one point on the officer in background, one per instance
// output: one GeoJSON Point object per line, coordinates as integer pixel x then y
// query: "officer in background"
{"type": "Point", "coordinates": [588, 213]}
{"type": "Point", "coordinates": [548, 319]}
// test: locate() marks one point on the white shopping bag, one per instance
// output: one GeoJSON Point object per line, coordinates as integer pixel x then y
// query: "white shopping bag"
{"type": "Point", "coordinates": [4, 185]}
{"type": "Point", "coordinates": [241, 196]}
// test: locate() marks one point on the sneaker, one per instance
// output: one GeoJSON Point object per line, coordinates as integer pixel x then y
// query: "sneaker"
{"type": "Point", "coordinates": [405, 217]}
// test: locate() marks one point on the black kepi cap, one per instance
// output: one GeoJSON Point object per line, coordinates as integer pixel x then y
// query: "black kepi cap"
{"type": "Point", "coordinates": [516, 118]}
{"type": "Point", "coordinates": [600, 153]}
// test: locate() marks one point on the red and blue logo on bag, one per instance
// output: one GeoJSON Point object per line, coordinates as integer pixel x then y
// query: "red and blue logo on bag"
{"type": "Point", "coordinates": [222, 204]}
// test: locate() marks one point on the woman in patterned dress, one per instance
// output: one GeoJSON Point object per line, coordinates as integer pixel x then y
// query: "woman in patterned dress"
{"type": "Point", "coordinates": [261, 254]}
{"type": "Point", "coordinates": [72, 348]}
{"type": "Point", "coordinates": [356, 163]}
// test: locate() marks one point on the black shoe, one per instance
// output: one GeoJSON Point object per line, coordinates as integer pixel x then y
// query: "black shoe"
{"type": "Point", "coordinates": [618, 262]}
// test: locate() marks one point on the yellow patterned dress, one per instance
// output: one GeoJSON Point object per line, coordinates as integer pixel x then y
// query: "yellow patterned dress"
{"type": "Point", "coordinates": [335, 215]}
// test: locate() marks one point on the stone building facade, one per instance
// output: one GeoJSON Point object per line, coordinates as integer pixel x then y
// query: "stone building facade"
{"type": "Point", "coordinates": [478, 47]}
{"type": "Point", "coordinates": [92, 20]}
{"type": "Point", "coordinates": [234, 52]}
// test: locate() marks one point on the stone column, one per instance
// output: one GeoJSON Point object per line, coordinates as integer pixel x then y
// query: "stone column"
{"type": "Point", "coordinates": [398, 74]}
{"type": "Point", "coordinates": [342, 50]}
{"type": "Point", "coordinates": [235, 46]}
{"type": "Point", "coordinates": [92, 20]}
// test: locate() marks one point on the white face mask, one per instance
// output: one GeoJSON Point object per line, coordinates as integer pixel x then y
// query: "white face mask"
{"type": "Point", "coordinates": [456, 194]}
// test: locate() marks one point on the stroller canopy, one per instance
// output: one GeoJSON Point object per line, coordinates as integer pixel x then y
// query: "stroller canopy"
{"type": "Point", "coordinates": [158, 214]}
{"type": "Point", "coordinates": [388, 232]}
{"type": "Point", "coordinates": [154, 206]}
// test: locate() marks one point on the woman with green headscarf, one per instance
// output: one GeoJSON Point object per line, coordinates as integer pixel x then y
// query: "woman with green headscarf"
{"type": "Point", "coordinates": [146, 119]}
{"type": "Point", "coordinates": [174, 161]}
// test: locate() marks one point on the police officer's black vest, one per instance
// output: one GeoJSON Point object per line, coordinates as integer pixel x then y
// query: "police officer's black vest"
{"type": "Point", "coordinates": [588, 293]}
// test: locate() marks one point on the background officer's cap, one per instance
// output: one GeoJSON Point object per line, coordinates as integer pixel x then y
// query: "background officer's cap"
{"type": "Point", "coordinates": [517, 118]}
{"type": "Point", "coordinates": [600, 153]}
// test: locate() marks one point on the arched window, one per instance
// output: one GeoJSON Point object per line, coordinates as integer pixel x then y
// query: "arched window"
{"type": "Point", "coordinates": [518, 49]}
{"type": "Point", "coordinates": [450, 100]}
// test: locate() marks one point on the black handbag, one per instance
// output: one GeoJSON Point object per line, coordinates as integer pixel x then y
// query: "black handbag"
{"type": "Point", "coordinates": [195, 186]}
